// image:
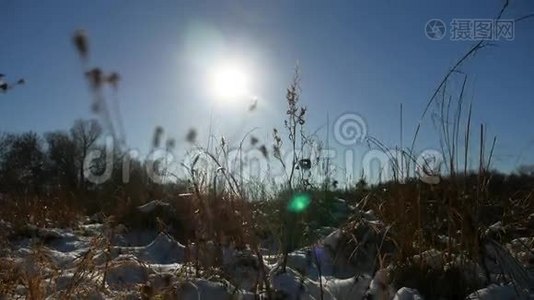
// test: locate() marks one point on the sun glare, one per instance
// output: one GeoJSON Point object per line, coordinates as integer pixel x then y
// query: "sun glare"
{"type": "Point", "coordinates": [229, 82]}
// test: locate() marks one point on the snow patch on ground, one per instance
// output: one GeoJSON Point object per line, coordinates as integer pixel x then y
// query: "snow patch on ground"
{"type": "Point", "coordinates": [146, 263]}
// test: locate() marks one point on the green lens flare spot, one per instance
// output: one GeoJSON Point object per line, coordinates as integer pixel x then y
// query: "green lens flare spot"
{"type": "Point", "coordinates": [299, 203]}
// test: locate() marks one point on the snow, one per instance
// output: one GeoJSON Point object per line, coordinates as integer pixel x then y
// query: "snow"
{"type": "Point", "coordinates": [243, 267]}
{"type": "Point", "coordinates": [379, 286]}
{"type": "Point", "coordinates": [332, 239]}
{"type": "Point", "coordinates": [203, 289]}
{"type": "Point", "coordinates": [153, 205]}
{"type": "Point", "coordinates": [407, 294]}
{"type": "Point", "coordinates": [138, 263]}
{"type": "Point", "coordinates": [350, 288]}
{"type": "Point", "coordinates": [495, 292]}
{"type": "Point", "coordinates": [125, 271]}
{"type": "Point", "coordinates": [292, 285]}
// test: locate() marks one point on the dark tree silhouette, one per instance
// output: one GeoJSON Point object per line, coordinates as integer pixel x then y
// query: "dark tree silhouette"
{"type": "Point", "coordinates": [84, 134]}
{"type": "Point", "coordinates": [22, 163]}
{"type": "Point", "coordinates": [62, 155]}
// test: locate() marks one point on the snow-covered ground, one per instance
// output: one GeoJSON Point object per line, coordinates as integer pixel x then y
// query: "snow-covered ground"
{"type": "Point", "coordinates": [98, 262]}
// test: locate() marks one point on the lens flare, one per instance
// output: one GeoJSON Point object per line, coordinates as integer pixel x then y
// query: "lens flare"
{"type": "Point", "coordinates": [299, 203]}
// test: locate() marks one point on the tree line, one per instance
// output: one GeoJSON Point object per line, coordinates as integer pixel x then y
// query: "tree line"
{"type": "Point", "coordinates": [34, 165]}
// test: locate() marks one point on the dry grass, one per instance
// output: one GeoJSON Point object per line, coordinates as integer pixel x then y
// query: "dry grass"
{"type": "Point", "coordinates": [212, 209]}
{"type": "Point", "coordinates": [41, 211]}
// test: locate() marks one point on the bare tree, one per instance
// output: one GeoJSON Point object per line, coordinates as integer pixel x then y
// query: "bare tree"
{"type": "Point", "coordinates": [84, 133]}
{"type": "Point", "coordinates": [62, 155]}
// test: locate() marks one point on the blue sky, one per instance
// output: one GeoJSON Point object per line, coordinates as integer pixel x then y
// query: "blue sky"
{"type": "Point", "coordinates": [354, 56]}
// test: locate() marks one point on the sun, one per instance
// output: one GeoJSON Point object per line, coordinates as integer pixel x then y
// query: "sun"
{"type": "Point", "coordinates": [229, 82]}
